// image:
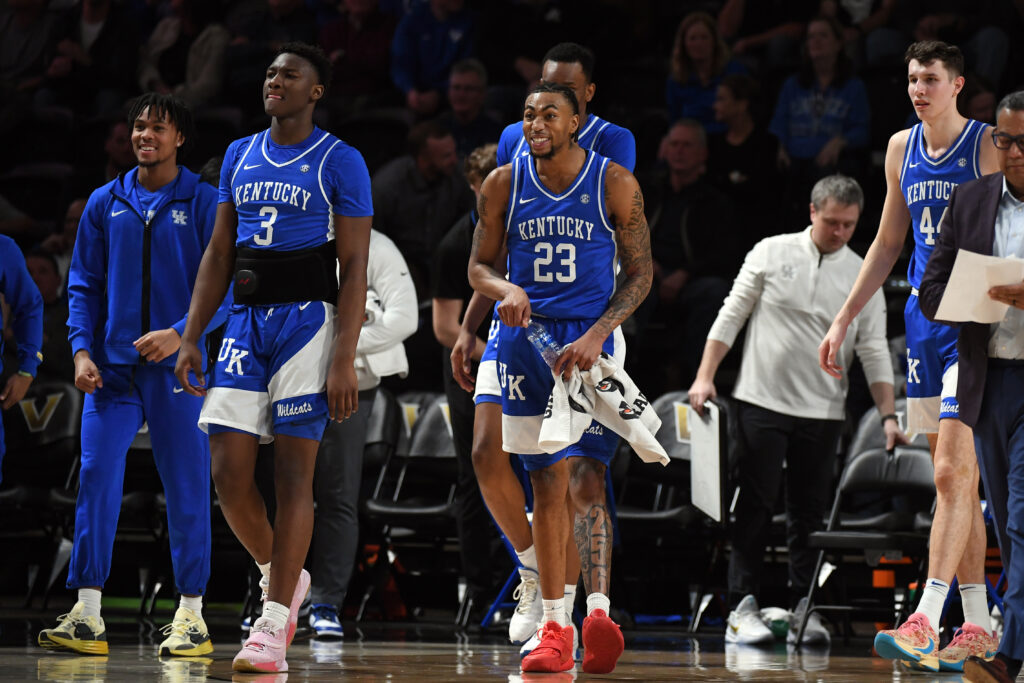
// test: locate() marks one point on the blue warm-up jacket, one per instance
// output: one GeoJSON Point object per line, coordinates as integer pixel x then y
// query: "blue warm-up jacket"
{"type": "Point", "coordinates": [26, 304]}
{"type": "Point", "coordinates": [130, 275]}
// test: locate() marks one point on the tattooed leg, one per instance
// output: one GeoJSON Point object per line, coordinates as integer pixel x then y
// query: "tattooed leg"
{"type": "Point", "coordinates": [592, 529]}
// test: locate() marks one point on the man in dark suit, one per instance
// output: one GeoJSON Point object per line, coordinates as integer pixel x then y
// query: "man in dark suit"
{"type": "Point", "coordinates": [987, 216]}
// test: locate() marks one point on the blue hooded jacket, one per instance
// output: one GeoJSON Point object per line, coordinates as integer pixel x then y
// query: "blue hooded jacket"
{"type": "Point", "coordinates": [130, 275]}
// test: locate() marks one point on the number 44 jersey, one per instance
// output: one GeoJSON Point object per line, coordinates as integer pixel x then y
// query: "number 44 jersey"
{"type": "Point", "coordinates": [927, 183]}
{"type": "Point", "coordinates": [561, 247]}
{"type": "Point", "coordinates": [286, 195]}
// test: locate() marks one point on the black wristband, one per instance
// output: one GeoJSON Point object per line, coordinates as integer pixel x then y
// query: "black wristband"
{"type": "Point", "coordinates": [890, 416]}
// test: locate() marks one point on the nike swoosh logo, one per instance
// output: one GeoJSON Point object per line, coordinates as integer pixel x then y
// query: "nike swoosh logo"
{"type": "Point", "coordinates": [115, 214]}
{"type": "Point", "coordinates": [929, 649]}
{"type": "Point", "coordinates": [915, 165]}
{"type": "Point", "coordinates": [248, 167]}
{"type": "Point", "coordinates": [526, 201]}
{"type": "Point", "coordinates": [178, 390]}
{"type": "Point", "coordinates": [302, 307]}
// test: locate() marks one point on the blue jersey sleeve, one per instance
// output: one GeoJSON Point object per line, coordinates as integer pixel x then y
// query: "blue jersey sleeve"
{"type": "Point", "coordinates": [347, 182]}
{"type": "Point", "coordinates": [617, 143]}
{"type": "Point", "coordinates": [507, 142]}
{"type": "Point", "coordinates": [227, 168]}
{"type": "Point", "coordinates": [26, 304]}
{"type": "Point", "coordinates": [87, 277]}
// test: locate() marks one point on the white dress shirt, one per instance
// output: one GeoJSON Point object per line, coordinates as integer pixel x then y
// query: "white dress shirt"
{"type": "Point", "coordinates": [1006, 339]}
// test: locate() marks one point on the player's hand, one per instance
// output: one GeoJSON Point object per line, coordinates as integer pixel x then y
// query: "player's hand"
{"type": "Point", "coordinates": [830, 347]}
{"type": "Point", "coordinates": [582, 354]}
{"type": "Point", "coordinates": [514, 309]}
{"type": "Point", "coordinates": [894, 436]}
{"type": "Point", "coordinates": [87, 375]}
{"type": "Point", "coordinates": [462, 364]}
{"type": "Point", "coordinates": [1011, 295]}
{"type": "Point", "coordinates": [342, 390]}
{"type": "Point", "coordinates": [159, 344]}
{"type": "Point", "coordinates": [701, 391]}
{"type": "Point", "coordinates": [190, 360]}
{"type": "Point", "coordinates": [14, 390]}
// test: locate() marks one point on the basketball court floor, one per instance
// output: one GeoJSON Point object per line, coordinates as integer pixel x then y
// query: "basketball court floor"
{"type": "Point", "coordinates": [385, 652]}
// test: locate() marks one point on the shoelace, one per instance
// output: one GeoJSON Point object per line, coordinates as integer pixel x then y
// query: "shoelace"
{"type": "Point", "coordinates": [525, 593]}
{"type": "Point", "coordinates": [180, 627]}
{"type": "Point", "coordinates": [260, 627]}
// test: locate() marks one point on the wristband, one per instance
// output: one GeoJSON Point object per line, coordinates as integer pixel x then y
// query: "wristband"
{"type": "Point", "coordinates": [23, 373]}
{"type": "Point", "coordinates": [890, 416]}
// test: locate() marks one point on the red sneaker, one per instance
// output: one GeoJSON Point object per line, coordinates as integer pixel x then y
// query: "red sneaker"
{"type": "Point", "coordinates": [602, 643]}
{"type": "Point", "coordinates": [554, 654]}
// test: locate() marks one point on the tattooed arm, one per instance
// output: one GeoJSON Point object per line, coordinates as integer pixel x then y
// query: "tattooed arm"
{"type": "Point", "coordinates": [625, 206]}
{"type": "Point", "coordinates": [488, 245]}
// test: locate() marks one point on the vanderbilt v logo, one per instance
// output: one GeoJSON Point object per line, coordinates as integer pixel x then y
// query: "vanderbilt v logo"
{"type": "Point", "coordinates": [37, 421]}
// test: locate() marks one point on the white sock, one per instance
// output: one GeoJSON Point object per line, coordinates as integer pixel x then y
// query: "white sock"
{"type": "Point", "coordinates": [276, 614]}
{"type": "Point", "coordinates": [933, 598]}
{"type": "Point", "coordinates": [974, 597]}
{"type": "Point", "coordinates": [90, 599]}
{"type": "Point", "coordinates": [528, 558]}
{"type": "Point", "coordinates": [554, 610]}
{"type": "Point", "coordinates": [194, 603]}
{"type": "Point", "coordinates": [570, 598]}
{"type": "Point", "coordinates": [264, 569]}
{"type": "Point", "coordinates": [598, 601]}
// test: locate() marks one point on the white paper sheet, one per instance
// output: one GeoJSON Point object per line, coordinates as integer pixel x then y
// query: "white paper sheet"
{"type": "Point", "coordinates": [705, 462]}
{"type": "Point", "coordinates": [966, 298]}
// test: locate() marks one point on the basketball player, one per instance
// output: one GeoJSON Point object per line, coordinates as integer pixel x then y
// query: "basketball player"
{"type": "Point", "coordinates": [139, 244]}
{"type": "Point", "coordinates": [294, 203]}
{"type": "Point", "coordinates": [922, 166]}
{"type": "Point", "coordinates": [554, 212]}
{"type": "Point", "coordinates": [570, 65]}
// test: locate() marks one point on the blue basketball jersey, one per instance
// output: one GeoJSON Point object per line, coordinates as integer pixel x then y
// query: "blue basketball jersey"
{"type": "Point", "coordinates": [927, 183]}
{"type": "Point", "coordinates": [561, 248]}
{"type": "Point", "coordinates": [286, 195]}
{"type": "Point", "coordinates": [598, 135]}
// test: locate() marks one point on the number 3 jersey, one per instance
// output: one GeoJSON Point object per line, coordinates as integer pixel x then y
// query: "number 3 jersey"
{"type": "Point", "coordinates": [561, 247]}
{"type": "Point", "coordinates": [285, 195]}
{"type": "Point", "coordinates": [927, 183]}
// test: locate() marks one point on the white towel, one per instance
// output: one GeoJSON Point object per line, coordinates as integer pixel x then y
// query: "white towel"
{"type": "Point", "coordinates": [604, 393]}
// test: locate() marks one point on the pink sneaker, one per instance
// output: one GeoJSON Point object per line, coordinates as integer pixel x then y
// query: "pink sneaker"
{"type": "Point", "coordinates": [263, 651]}
{"type": "Point", "coordinates": [301, 591]}
{"type": "Point", "coordinates": [915, 642]}
{"type": "Point", "coordinates": [970, 640]}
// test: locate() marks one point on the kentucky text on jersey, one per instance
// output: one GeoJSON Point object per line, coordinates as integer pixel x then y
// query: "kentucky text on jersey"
{"type": "Point", "coordinates": [552, 226]}
{"type": "Point", "coordinates": [284, 193]}
{"type": "Point", "coordinates": [929, 189]}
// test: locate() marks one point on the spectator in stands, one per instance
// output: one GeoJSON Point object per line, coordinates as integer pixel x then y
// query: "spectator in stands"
{"type": "Point", "coordinates": [417, 197]}
{"type": "Point", "coordinates": [741, 160]}
{"type": "Point", "coordinates": [24, 317]}
{"type": "Point", "coordinates": [359, 45]}
{"type": "Point", "coordinates": [700, 59]}
{"type": "Point", "coordinates": [821, 117]}
{"type": "Point", "coordinates": [788, 411]}
{"type": "Point", "coordinates": [16, 224]}
{"type": "Point", "coordinates": [693, 245]}
{"type": "Point", "coordinates": [61, 245]}
{"type": "Point", "coordinates": [26, 31]}
{"type": "Point", "coordinates": [184, 55]}
{"type": "Point", "coordinates": [977, 99]}
{"type": "Point", "coordinates": [57, 361]}
{"type": "Point", "coordinates": [765, 33]}
{"type": "Point", "coordinates": [428, 41]}
{"type": "Point", "coordinates": [451, 294]}
{"type": "Point", "coordinates": [470, 125]}
{"type": "Point", "coordinates": [390, 318]}
{"type": "Point", "coordinates": [96, 53]}
{"type": "Point", "coordinates": [258, 30]}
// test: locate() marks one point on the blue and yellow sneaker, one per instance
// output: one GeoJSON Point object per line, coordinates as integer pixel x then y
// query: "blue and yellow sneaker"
{"type": "Point", "coordinates": [915, 643]}
{"type": "Point", "coordinates": [76, 632]}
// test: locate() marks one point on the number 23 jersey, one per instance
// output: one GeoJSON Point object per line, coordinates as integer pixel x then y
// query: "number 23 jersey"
{"type": "Point", "coordinates": [285, 195]}
{"type": "Point", "coordinates": [561, 247]}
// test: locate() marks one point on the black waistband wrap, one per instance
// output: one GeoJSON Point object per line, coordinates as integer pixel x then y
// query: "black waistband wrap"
{"type": "Point", "coordinates": [266, 278]}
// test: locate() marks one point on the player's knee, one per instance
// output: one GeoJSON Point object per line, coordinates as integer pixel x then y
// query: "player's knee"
{"type": "Point", "coordinates": [951, 476]}
{"type": "Point", "coordinates": [489, 460]}
{"type": "Point", "coordinates": [586, 483]}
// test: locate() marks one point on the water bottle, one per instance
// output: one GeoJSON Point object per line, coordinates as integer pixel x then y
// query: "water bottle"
{"type": "Point", "coordinates": [541, 339]}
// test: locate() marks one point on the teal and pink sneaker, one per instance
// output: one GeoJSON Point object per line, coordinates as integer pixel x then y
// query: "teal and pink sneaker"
{"type": "Point", "coordinates": [915, 642]}
{"type": "Point", "coordinates": [971, 639]}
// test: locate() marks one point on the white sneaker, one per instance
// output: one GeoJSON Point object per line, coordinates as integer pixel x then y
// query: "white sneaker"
{"type": "Point", "coordinates": [776, 619]}
{"type": "Point", "coordinates": [534, 641]}
{"type": "Point", "coordinates": [526, 619]}
{"type": "Point", "coordinates": [815, 632]}
{"type": "Point", "coordinates": [745, 625]}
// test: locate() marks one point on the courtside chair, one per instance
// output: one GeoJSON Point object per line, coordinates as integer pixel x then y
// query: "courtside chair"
{"type": "Point", "coordinates": [873, 516]}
